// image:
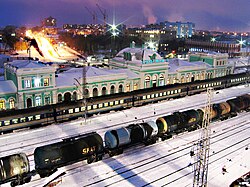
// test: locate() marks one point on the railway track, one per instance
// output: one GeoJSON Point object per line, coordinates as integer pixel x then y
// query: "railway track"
{"type": "Point", "coordinates": [32, 143]}
{"type": "Point", "coordinates": [181, 151]}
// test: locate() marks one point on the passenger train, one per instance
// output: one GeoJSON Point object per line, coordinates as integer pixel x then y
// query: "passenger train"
{"type": "Point", "coordinates": [11, 120]}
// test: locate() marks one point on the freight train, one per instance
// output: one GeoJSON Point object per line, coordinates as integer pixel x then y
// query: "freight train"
{"type": "Point", "coordinates": [92, 147]}
{"type": "Point", "coordinates": [35, 117]}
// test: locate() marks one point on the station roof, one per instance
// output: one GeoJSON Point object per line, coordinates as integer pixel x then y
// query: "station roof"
{"type": "Point", "coordinates": [21, 64]}
{"type": "Point", "coordinates": [7, 87]}
{"type": "Point", "coordinates": [67, 78]}
{"type": "Point", "coordinates": [138, 55]}
{"type": "Point", "coordinates": [181, 65]}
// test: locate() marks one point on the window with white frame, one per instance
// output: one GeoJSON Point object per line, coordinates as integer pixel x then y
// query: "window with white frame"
{"type": "Point", "coordinates": [27, 83]}
{"type": "Point", "coordinates": [38, 101]}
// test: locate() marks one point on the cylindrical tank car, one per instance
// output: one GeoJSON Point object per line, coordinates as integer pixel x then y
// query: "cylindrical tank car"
{"type": "Point", "coordinates": [50, 157]}
{"type": "Point", "coordinates": [177, 122]}
{"type": "Point", "coordinates": [115, 140]}
{"type": "Point", "coordinates": [14, 169]}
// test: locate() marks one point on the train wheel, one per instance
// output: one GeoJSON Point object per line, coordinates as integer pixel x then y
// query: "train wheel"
{"type": "Point", "coordinates": [91, 159]}
{"type": "Point", "coordinates": [112, 153]}
{"type": "Point", "coordinates": [120, 151]}
{"type": "Point", "coordinates": [14, 183]}
{"type": "Point", "coordinates": [27, 180]}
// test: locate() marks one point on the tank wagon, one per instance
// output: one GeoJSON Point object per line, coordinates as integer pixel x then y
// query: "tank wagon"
{"type": "Point", "coordinates": [116, 140]}
{"type": "Point", "coordinates": [15, 169]}
{"type": "Point", "coordinates": [177, 122]}
{"type": "Point", "coordinates": [50, 157]}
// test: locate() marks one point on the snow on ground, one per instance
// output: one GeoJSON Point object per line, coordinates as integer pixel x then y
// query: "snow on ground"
{"type": "Point", "coordinates": [27, 140]}
{"type": "Point", "coordinates": [167, 163]}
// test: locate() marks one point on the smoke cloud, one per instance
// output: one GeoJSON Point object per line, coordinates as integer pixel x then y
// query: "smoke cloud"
{"type": "Point", "coordinates": [148, 13]}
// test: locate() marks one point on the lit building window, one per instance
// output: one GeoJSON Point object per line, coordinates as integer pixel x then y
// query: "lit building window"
{"type": "Point", "coordinates": [27, 83]}
{"type": "Point", "coordinates": [147, 82]}
{"type": "Point", "coordinates": [46, 82]}
{"type": "Point", "coordinates": [12, 103]}
{"type": "Point", "coordinates": [37, 82]}
{"type": "Point", "coordinates": [135, 86]}
{"type": "Point", "coordinates": [38, 101]}
{"type": "Point", "coordinates": [128, 87]}
{"type": "Point", "coordinates": [161, 80]}
{"type": "Point", "coordinates": [2, 104]}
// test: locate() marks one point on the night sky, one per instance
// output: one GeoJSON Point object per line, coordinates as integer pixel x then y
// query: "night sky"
{"type": "Point", "coordinates": [221, 15]}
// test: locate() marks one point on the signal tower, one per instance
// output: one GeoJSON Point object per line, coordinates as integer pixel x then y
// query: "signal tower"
{"type": "Point", "coordinates": [203, 146]}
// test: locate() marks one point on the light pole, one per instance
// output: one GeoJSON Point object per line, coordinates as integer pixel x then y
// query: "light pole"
{"type": "Point", "coordinates": [83, 92]}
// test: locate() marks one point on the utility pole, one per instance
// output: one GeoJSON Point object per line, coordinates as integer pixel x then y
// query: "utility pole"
{"type": "Point", "coordinates": [83, 92]}
{"type": "Point", "coordinates": [203, 146]}
{"type": "Point", "coordinates": [84, 96]}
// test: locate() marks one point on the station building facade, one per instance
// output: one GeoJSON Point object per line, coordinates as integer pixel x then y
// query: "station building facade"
{"type": "Point", "coordinates": [31, 83]}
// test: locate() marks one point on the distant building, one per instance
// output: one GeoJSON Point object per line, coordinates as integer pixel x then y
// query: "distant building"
{"type": "Point", "coordinates": [152, 36]}
{"type": "Point", "coordinates": [182, 29]}
{"type": "Point", "coordinates": [49, 22]}
{"type": "Point", "coordinates": [231, 48]}
{"type": "Point", "coordinates": [83, 29]}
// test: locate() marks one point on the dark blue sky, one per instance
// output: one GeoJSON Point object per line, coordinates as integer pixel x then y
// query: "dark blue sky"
{"type": "Point", "coordinates": [224, 15]}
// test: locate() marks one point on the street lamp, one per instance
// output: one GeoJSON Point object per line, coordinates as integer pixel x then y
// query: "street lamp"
{"type": "Point", "coordinates": [213, 39]}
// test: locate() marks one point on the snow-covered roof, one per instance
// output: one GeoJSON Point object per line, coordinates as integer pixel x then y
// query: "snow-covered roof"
{"type": "Point", "coordinates": [21, 64]}
{"type": "Point", "coordinates": [138, 55]}
{"type": "Point", "coordinates": [7, 87]}
{"type": "Point", "coordinates": [181, 65]}
{"type": "Point", "coordinates": [67, 78]}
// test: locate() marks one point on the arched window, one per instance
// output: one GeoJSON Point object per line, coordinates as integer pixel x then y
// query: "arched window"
{"type": "Point", "coordinates": [67, 97]}
{"type": "Point", "coordinates": [29, 103]}
{"type": "Point", "coordinates": [104, 91]}
{"type": "Point", "coordinates": [128, 87]}
{"type": "Point", "coordinates": [38, 101]}
{"type": "Point", "coordinates": [135, 86]}
{"type": "Point", "coordinates": [197, 77]}
{"type": "Point", "coordinates": [192, 78]}
{"type": "Point", "coordinates": [95, 92]}
{"type": "Point", "coordinates": [120, 88]}
{"type": "Point", "coordinates": [154, 81]}
{"type": "Point", "coordinates": [2, 104]}
{"type": "Point", "coordinates": [168, 81]}
{"type": "Point", "coordinates": [161, 80]}
{"type": "Point", "coordinates": [112, 89]}
{"type": "Point", "coordinates": [59, 98]}
{"type": "Point", "coordinates": [147, 82]}
{"type": "Point", "coordinates": [202, 76]}
{"type": "Point", "coordinates": [86, 93]}
{"type": "Point", "coordinates": [174, 80]}
{"type": "Point", "coordinates": [74, 97]}
{"type": "Point", "coordinates": [12, 103]}
{"type": "Point", "coordinates": [47, 100]}
{"type": "Point", "coordinates": [182, 79]}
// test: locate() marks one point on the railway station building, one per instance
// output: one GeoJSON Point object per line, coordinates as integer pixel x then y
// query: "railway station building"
{"type": "Point", "coordinates": [31, 83]}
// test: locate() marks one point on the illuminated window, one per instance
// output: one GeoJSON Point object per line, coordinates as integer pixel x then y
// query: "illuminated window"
{"type": "Point", "coordinates": [12, 103]}
{"type": "Point", "coordinates": [161, 80]}
{"type": "Point", "coordinates": [38, 101]}
{"type": "Point", "coordinates": [37, 82]}
{"type": "Point", "coordinates": [46, 82]}
{"type": "Point", "coordinates": [27, 83]}
{"type": "Point", "coordinates": [135, 86]}
{"type": "Point", "coordinates": [128, 87]}
{"type": "Point", "coordinates": [2, 104]}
